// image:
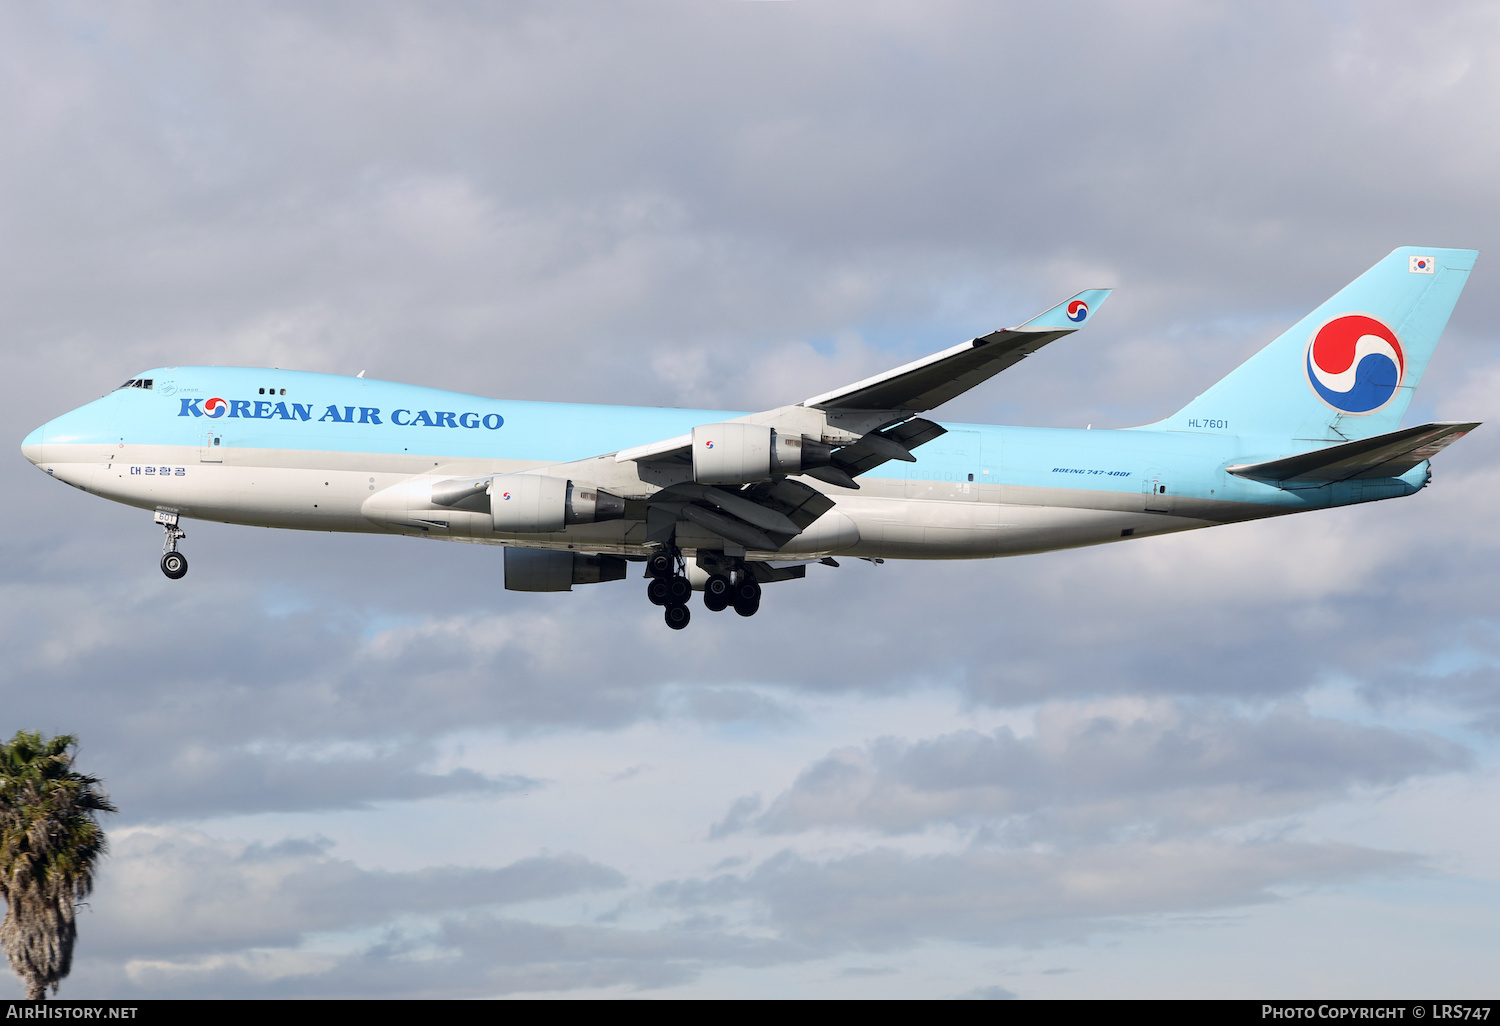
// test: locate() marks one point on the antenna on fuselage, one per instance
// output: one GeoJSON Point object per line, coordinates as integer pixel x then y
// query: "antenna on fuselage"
{"type": "Point", "coordinates": [360, 374]}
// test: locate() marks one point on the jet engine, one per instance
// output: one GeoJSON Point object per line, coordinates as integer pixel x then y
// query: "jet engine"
{"type": "Point", "coordinates": [742, 453]}
{"type": "Point", "coordinates": [536, 504]}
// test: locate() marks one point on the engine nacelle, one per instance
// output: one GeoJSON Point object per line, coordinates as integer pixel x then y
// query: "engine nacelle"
{"type": "Point", "coordinates": [550, 570]}
{"type": "Point", "coordinates": [742, 453]}
{"type": "Point", "coordinates": [537, 504]}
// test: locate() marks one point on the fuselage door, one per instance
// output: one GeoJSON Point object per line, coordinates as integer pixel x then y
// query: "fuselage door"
{"type": "Point", "coordinates": [210, 447]}
{"type": "Point", "coordinates": [1156, 495]}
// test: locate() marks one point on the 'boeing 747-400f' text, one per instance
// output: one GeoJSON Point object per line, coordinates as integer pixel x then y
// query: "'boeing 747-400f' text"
{"type": "Point", "coordinates": [724, 502]}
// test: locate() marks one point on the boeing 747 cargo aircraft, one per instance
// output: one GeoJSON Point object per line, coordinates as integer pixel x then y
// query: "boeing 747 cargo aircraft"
{"type": "Point", "coordinates": [724, 503]}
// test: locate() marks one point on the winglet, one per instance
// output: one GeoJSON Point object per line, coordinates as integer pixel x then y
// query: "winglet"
{"type": "Point", "coordinates": [1072, 313]}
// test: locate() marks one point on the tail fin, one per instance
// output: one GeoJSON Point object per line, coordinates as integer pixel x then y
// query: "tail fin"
{"type": "Point", "coordinates": [1348, 369]}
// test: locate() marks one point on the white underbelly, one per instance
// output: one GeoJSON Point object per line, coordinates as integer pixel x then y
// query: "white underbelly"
{"type": "Point", "coordinates": [930, 529]}
{"type": "Point", "coordinates": [333, 498]}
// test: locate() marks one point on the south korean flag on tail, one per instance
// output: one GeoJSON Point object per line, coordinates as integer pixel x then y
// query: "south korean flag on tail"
{"type": "Point", "coordinates": [1422, 265]}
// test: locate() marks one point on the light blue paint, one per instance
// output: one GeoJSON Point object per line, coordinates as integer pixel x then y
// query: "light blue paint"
{"type": "Point", "coordinates": [1071, 313]}
{"type": "Point", "coordinates": [1264, 410]}
{"type": "Point", "coordinates": [1271, 393]}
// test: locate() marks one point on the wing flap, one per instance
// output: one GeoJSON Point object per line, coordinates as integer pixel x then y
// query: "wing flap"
{"type": "Point", "coordinates": [764, 516]}
{"type": "Point", "coordinates": [750, 512]}
{"type": "Point", "coordinates": [800, 503]}
{"type": "Point", "coordinates": [862, 456]}
{"type": "Point", "coordinates": [1388, 455]}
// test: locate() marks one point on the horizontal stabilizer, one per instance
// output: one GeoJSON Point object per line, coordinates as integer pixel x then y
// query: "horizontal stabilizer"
{"type": "Point", "coordinates": [1388, 455]}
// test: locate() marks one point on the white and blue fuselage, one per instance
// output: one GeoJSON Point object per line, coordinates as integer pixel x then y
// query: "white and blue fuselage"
{"type": "Point", "coordinates": [318, 452]}
{"type": "Point", "coordinates": [711, 500]}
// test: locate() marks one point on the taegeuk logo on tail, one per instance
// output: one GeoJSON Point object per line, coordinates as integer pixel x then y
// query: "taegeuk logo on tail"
{"type": "Point", "coordinates": [1355, 363]}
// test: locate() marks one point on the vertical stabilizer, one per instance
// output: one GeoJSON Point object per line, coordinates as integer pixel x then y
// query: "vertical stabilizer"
{"type": "Point", "coordinates": [1348, 369]}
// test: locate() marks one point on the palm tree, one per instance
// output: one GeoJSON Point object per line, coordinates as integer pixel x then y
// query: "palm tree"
{"type": "Point", "coordinates": [50, 839]}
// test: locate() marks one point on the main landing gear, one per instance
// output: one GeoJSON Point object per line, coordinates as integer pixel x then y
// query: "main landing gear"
{"type": "Point", "coordinates": [746, 595]}
{"type": "Point", "coordinates": [671, 589]}
{"type": "Point", "coordinates": [173, 563]}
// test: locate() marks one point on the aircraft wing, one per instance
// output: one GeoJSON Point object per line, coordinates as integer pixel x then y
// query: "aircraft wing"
{"type": "Point", "coordinates": [1388, 455]}
{"type": "Point", "coordinates": [865, 424]}
{"type": "Point", "coordinates": [913, 388]}
{"type": "Point", "coordinates": [933, 380]}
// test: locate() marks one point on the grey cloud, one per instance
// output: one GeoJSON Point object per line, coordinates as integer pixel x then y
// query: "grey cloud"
{"type": "Point", "coordinates": [193, 781]}
{"type": "Point", "coordinates": [730, 705]}
{"type": "Point", "coordinates": [468, 956]}
{"type": "Point", "coordinates": [884, 899]}
{"type": "Point", "coordinates": [1166, 767]}
{"type": "Point", "coordinates": [469, 176]}
{"type": "Point", "coordinates": [672, 951]}
{"type": "Point", "coordinates": [994, 992]}
{"type": "Point", "coordinates": [1475, 691]}
{"type": "Point", "coordinates": [723, 205]}
{"type": "Point", "coordinates": [168, 892]}
{"type": "Point", "coordinates": [208, 918]}
{"type": "Point", "coordinates": [180, 913]}
{"type": "Point", "coordinates": [741, 816]}
{"type": "Point", "coordinates": [395, 643]}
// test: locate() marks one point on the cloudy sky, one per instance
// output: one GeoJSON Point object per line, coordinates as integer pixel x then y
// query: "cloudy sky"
{"type": "Point", "coordinates": [1256, 760]}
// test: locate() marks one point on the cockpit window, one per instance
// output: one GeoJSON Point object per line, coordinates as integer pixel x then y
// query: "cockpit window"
{"type": "Point", "coordinates": [137, 383]}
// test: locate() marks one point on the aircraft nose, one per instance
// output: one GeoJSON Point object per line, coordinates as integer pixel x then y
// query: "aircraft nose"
{"type": "Point", "coordinates": [33, 444]}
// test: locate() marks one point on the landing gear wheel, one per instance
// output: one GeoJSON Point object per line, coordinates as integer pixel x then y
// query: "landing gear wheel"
{"type": "Point", "coordinates": [677, 617]}
{"type": "Point", "coordinates": [746, 597]}
{"type": "Point", "coordinates": [657, 592]}
{"type": "Point", "coordinates": [661, 564]}
{"type": "Point", "coordinates": [716, 592]}
{"type": "Point", "coordinates": [173, 563]}
{"type": "Point", "coordinates": [679, 590]}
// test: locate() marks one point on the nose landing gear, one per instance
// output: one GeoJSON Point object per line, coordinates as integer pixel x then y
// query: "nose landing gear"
{"type": "Point", "coordinates": [173, 563]}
